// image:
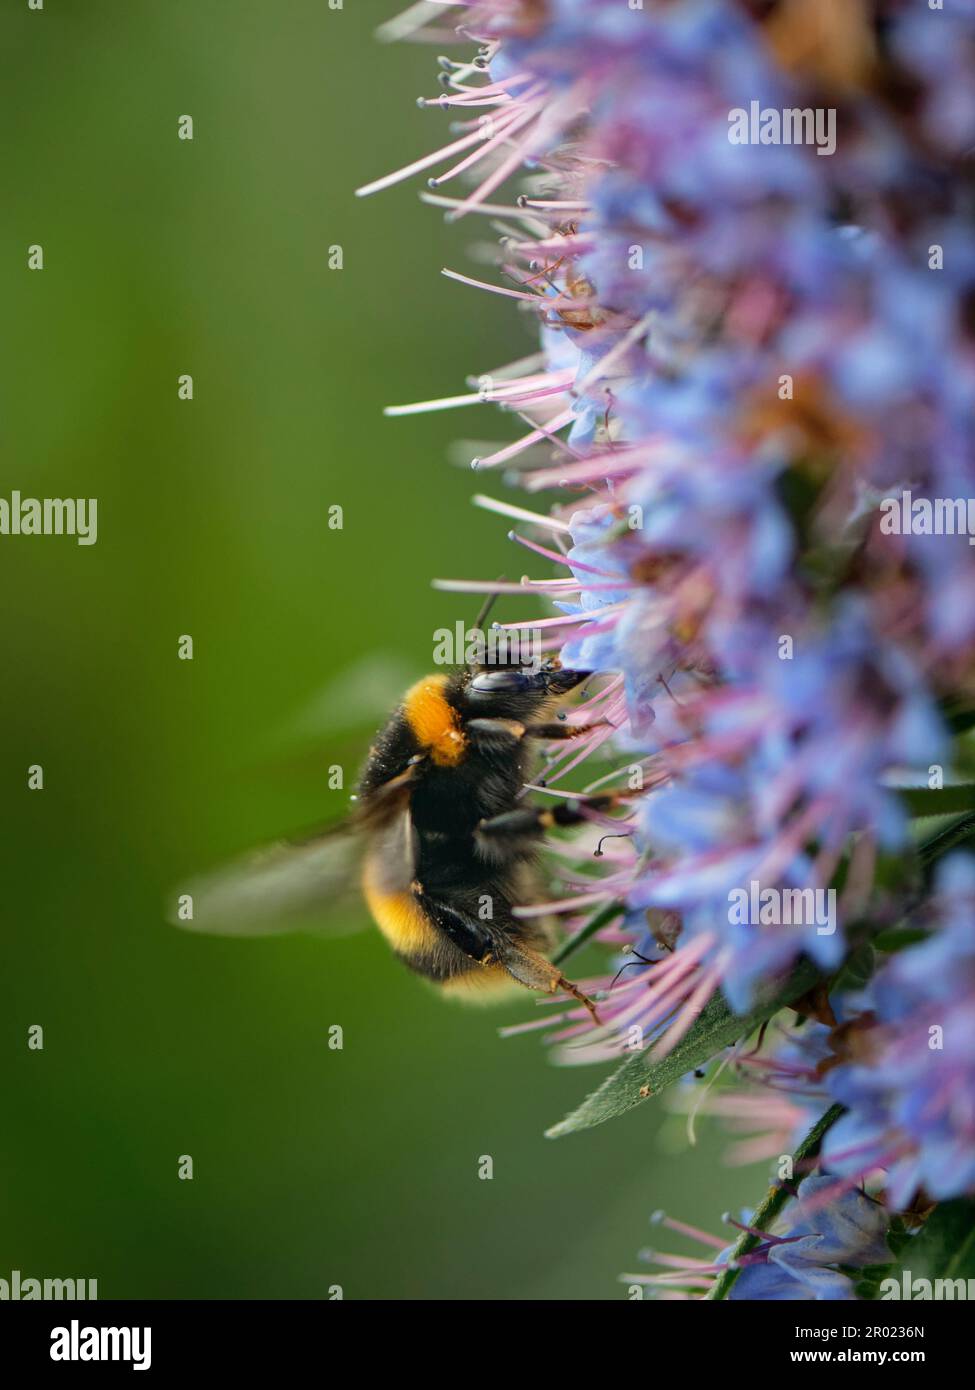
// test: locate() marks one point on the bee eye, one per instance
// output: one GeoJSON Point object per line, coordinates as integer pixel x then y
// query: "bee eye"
{"type": "Point", "coordinates": [500, 682]}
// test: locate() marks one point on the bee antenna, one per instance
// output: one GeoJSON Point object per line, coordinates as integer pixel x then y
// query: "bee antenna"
{"type": "Point", "coordinates": [640, 960]}
{"type": "Point", "coordinates": [486, 607]}
{"type": "Point", "coordinates": [598, 851]}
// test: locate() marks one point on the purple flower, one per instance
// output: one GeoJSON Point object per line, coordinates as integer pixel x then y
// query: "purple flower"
{"type": "Point", "coordinates": [802, 1260]}
{"type": "Point", "coordinates": [806, 1256]}
{"type": "Point", "coordinates": [777, 1094]}
{"type": "Point", "coordinates": [744, 349]}
{"type": "Point", "coordinates": [910, 1091]}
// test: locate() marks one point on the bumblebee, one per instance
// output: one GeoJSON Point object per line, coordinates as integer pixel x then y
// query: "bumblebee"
{"type": "Point", "coordinates": [449, 845]}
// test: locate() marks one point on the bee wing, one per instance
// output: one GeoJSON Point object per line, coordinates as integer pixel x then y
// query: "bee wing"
{"type": "Point", "coordinates": [284, 887]}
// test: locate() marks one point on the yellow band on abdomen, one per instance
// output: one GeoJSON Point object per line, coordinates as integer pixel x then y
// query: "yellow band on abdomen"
{"type": "Point", "coordinates": [400, 919]}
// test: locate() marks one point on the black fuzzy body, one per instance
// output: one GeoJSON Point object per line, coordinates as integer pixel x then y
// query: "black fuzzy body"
{"type": "Point", "coordinates": [427, 819]}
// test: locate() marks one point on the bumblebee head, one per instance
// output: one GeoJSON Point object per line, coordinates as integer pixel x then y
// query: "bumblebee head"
{"type": "Point", "coordinates": [489, 684]}
{"type": "Point", "coordinates": [430, 726]}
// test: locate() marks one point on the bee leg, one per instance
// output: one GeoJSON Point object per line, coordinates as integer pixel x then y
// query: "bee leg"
{"type": "Point", "coordinates": [583, 999]}
{"type": "Point", "coordinates": [467, 934]}
{"type": "Point", "coordinates": [499, 734]}
{"type": "Point", "coordinates": [494, 735]}
{"type": "Point", "coordinates": [535, 820]}
{"type": "Point", "coordinates": [562, 729]}
{"type": "Point", "coordinates": [522, 963]}
{"type": "Point", "coordinates": [533, 970]}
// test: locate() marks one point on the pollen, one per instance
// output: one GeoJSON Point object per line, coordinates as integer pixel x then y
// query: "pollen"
{"type": "Point", "coordinates": [434, 721]}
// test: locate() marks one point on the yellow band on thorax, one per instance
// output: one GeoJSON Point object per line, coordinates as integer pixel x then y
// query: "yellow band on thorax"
{"type": "Point", "coordinates": [434, 721]}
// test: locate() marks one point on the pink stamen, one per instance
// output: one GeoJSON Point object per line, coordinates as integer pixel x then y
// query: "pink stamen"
{"type": "Point", "coordinates": [437, 200]}
{"type": "Point", "coordinates": [545, 128]}
{"type": "Point", "coordinates": [561, 904]}
{"type": "Point", "coordinates": [589, 746]}
{"type": "Point", "coordinates": [492, 504]}
{"type": "Point", "coordinates": [555, 556]}
{"type": "Point", "coordinates": [566, 620]}
{"type": "Point", "coordinates": [528, 388]}
{"type": "Point", "coordinates": [686, 1262]}
{"type": "Point", "coordinates": [696, 1281]}
{"type": "Point", "coordinates": [494, 289]}
{"type": "Point", "coordinates": [695, 1232]}
{"type": "Point", "coordinates": [689, 1012]}
{"type": "Point", "coordinates": [618, 463]}
{"type": "Point", "coordinates": [504, 127]}
{"type": "Point", "coordinates": [425, 162]}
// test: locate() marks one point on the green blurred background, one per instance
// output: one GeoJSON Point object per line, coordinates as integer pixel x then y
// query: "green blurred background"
{"type": "Point", "coordinates": [312, 1167]}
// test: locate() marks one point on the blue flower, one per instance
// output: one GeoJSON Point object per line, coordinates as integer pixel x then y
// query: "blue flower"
{"type": "Point", "coordinates": [745, 348]}
{"type": "Point", "coordinates": [814, 1238]}
{"type": "Point", "coordinates": [910, 1090]}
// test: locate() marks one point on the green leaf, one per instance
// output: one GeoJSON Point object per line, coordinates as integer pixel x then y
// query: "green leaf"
{"type": "Point", "coordinates": [869, 1280]}
{"type": "Point", "coordinates": [960, 831]}
{"type": "Point", "coordinates": [717, 1027]}
{"type": "Point", "coordinates": [857, 969]}
{"type": "Point", "coordinates": [945, 1246]}
{"type": "Point", "coordinates": [588, 929]}
{"type": "Point", "coordinates": [775, 1200]}
{"type": "Point", "coordinates": [939, 801]}
{"type": "Point", "coordinates": [899, 938]}
{"type": "Point", "coordinates": [959, 714]}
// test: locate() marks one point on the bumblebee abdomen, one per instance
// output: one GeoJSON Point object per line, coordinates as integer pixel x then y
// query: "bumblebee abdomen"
{"type": "Point", "coordinates": [398, 916]}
